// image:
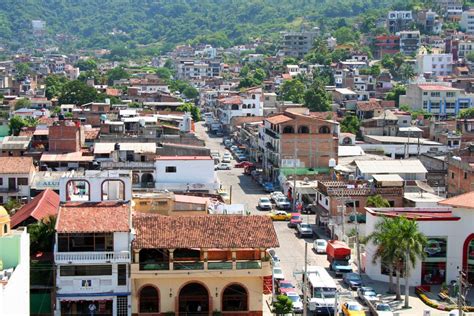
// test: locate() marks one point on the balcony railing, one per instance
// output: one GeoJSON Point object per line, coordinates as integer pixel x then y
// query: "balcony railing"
{"type": "Point", "coordinates": [154, 266]}
{"type": "Point", "coordinates": [185, 265]}
{"type": "Point", "coordinates": [221, 265]}
{"type": "Point", "coordinates": [271, 133]}
{"type": "Point", "coordinates": [201, 265]}
{"type": "Point", "coordinates": [244, 265]}
{"type": "Point", "coordinates": [92, 257]}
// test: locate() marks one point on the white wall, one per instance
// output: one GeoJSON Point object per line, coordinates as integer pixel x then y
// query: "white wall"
{"type": "Point", "coordinates": [121, 241]}
{"type": "Point", "coordinates": [187, 171]}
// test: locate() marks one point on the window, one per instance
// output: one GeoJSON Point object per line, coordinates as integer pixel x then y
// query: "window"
{"type": "Point", "coordinates": [452, 175]}
{"type": "Point", "coordinates": [122, 274]}
{"type": "Point", "coordinates": [1, 181]}
{"type": "Point", "coordinates": [149, 300]}
{"type": "Point", "coordinates": [324, 130]}
{"type": "Point", "coordinates": [465, 175]}
{"type": "Point", "coordinates": [435, 94]}
{"type": "Point", "coordinates": [450, 94]}
{"type": "Point", "coordinates": [303, 130]}
{"type": "Point", "coordinates": [85, 270]}
{"type": "Point", "coordinates": [288, 130]}
{"type": "Point", "coordinates": [170, 169]}
{"type": "Point", "coordinates": [22, 181]}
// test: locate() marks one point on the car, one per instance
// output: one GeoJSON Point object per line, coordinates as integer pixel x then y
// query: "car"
{"type": "Point", "coordinates": [384, 309]}
{"type": "Point", "coordinates": [304, 230]}
{"type": "Point", "coordinates": [242, 157]}
{"type": "Point", "coordinates": [285, 286]}
{"type": "Point", "coordinates": [352, 309]}
{"type": "Point", "coordinates": [279, 216]}
{"type": "Point", "coordinates": [297, 302]}
{"type": "Point", "coordinates": [320, 245]}
{"type": "Point", "coordinates": [222, 166]}
{"type": "Point", "coordinates": [233, 148]}
{"type": "Point", "coordinates": [295, 219]}
{"type": "Point", "coordinates": [276, 194]}
{"type": "Point", "coordinates": [244, 164]}
{"type": "Point", "coordinates": [268, 187]}
{"type": "Point", "coordinates": [353, 280]}
{"type": "Point", "coordinates": [264, 204]}
{"type": "Point", "coordinates": [278, 274]}
{"type": "Point", "coordinates": [225, 196]}
{"type": "Point", "coordinates": [282, 203]}
{"type": "Point", "coordinates": [275, 258]}
{"type": "Point", "coordinates": [226, 159]}
{"type": "Point", "coordinates": [367, 294]}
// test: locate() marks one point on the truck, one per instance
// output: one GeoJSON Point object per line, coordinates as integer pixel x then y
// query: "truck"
{"type": "Point", "coordinates": [338, 255]}
{"type": "Point", "coordinates": [322, 290]}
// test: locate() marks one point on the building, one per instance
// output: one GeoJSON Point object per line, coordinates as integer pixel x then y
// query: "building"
{"type": "Point", "coordinates": [408, 169]}
{"type": "Point", "coordinates": [201, 263]}
{"type": "Point", "coordinates": [185, 174]}
{"type": "Point", "coordinates": [15, 146]}
{"type": "Point", "coordinates": [434, 64]}
{"type": "Point", "coordinates": [439, 99]}
{"type": "Point", "coordinates": [14, 269]}
{"type": "Point", "coordinates": [452, 9]}
{"type": "Point", "coordinates": [92, 250]}
{"type": "Point", "coordinates": [66, 137]}
{"type": "Point", "coordinates": [16, 174]}
{"type": "Point", "coordinates": [400, 146]}
{"type": "Point", "coordinates": [295, 138]}
{"type": "Point", "coordinates": [43, 205]}
{"type": "Point", "coordinates": [399, 21]}
{"type": "Point", "coordinates": [386, 44]}
{"type": "Point", "coordinates": [409, 42]}
{"type": "Point", "coordinates": [467, 21]}
{"type": "Point", "coordinates": [460, 174]}
{"type": "Point", "coordinates": [298, 44]}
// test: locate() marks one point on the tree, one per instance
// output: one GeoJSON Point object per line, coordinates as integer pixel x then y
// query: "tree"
{"type": "Point", "coordinates": [22, 70]}
{"type": "Point", "coordinates": [54, 85]}
{"type": "Point", "coordinates": [406, 72]}
{"type": "Point", "coordinates": [346, 35]}
{"type": "Point", "coordinates": [375, 70]}
{"type": "Point", "coordinates": [16, 123]}
{"type": "Point", "coordinates": [395, 93]}
{"type": "Point", "coordinates": [350, 124]}
{"type": "Point", "coordinates": [466, 113]}
{"type": "Point", "coordinates": [190, 92]}
{"type": "Point", "coordinates": [283, 305]}
{"type": "Point", "coordinates": [316, 98]}
{"type": "Point", "coordinates": [116, 73]}
{"type": "Point", "coordinates": [292, 90]}
{"type": "Point", "coordinates": [77, 92]}
{"type": "Point", "coordinates": [163, 73]}
{"type": "Point", "coordinates": [86, 64]}
{"type": "Point", "coordinates": [191, 108]}
{"type": "Point", "coordinates": [377, 201]}
{"type": "Point", "coordinates": [11, 205]}
{"type": "Point", "coordinates": [22, 103]}
{"type": "Point", "coordinates": [42, 234]}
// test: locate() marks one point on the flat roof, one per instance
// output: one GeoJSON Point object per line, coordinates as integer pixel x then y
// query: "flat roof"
{"type": "Point", "coordinates": [69, 157]}
{"type": "Point", "coordinates": [387, 177]}
{"type": "Point", "coordinates": [184, 158]}
{"type": "Point", "coordinates": [344, 91]}
{"type": "Point", "coordinates": [107, 148]}
{"type": "Point", "coordinates": [402, 140]}
{"type": "Point", "coordinates": [437, 87]}
{"type": "Point", "coordinates": [422, 197]}
{"type": "Point", "coordinates": [390, 166]}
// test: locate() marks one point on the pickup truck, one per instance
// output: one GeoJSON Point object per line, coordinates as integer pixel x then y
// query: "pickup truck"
{"type": "Point", "coordinates": [340, 267]}
{"type": "Point", "coordinates": [304, 230]}
{"type": "Point", "coordinates": [338, 254]}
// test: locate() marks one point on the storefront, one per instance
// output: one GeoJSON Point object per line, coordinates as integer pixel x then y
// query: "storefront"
{"type": "Point", "coordinates": [84, 307]}
{"type": "Point", "coordinates": [433, 268]}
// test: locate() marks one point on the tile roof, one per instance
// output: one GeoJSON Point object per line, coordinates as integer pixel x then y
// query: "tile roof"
{"type": "Point", "coordinates": [43, 205]}
{"type": "Point", "coordinates": [465, 200]}
{"type": "Point", "coordinates": [68, 157]}
{"type": "Point", "coordinates": [203, 231]}
{"type": "Point", "coordinates": [90, 217]}
{"type": "Point", "coordinates": [15, 165]}
{"type": "Point", "coordinates": [278, 119]}
{"type": "Point", "coordinates": [92, 133]}
{"type": "Point", "coordinates": [368, 105]}
{"type": "Point", "coordinates": [435, 87]}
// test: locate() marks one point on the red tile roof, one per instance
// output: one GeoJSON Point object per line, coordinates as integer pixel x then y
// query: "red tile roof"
{"type": "Point", "coordinates": [368, 105]}
{"type": "Point", "coordinates": [89, 217]}
{"type": "Point", "coordinates": [15, 165]}
{"type": "Point", "coordinates": [203, 231]}
{"type": "Point", "coordinates": [231, 100]}
{"type": "Point", "coordinates": [435, 87]}
{"type": "Point", "coordinates": [92, 133]}
{"type": "Point", "coordinates": [417, 214]}
{"type": "Point", "coordinates": [279, 119]}
{"type": "Point", "coordinates": [465, 200]}
{"type": "Point", "coordinates": [43, 205]}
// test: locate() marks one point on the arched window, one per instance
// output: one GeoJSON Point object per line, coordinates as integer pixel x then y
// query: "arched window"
{"type": "Point", "coordinates": [135, 178]}
{"type": "Point", "coordinates": [147, 179]}
{"type": "Point", "coordinates": [235, 298]}
{"type": "Point", "coordinates": [303, 130]}
{"type": "Point", "coordinates": [347, 141]}
{"type": "Point", "coordinates": [193, 300]}
{"type": "Point", "coordinates": [78, 190]}
{"type": "Point", "coordinates": [149, 300]}
{"type": "Point", "coordinates": [235, 107]}
{"type": "Point", "coordinates": [288, 130]}
{"type": "Point", "coordinates": [5, 228]}
{"type": "Point", "coordinates": [244, 106]}
{"type": "Point", "coordinates": [324, 130]}
{"type": "Point", "coordinates": [113, 190]}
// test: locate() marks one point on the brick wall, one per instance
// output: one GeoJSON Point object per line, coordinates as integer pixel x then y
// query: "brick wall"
{"type": "Point", "coordinates": [64, 138]}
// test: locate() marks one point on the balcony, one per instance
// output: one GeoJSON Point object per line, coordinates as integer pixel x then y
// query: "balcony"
{"type": "Point", "coordinates": [91, 257]}
{"type": "Point", "coordinates": [237, 266]}
{"type": "Point", "coordinates": [271, 133]}
{"type": "Point", "coordinates": [128, 165]}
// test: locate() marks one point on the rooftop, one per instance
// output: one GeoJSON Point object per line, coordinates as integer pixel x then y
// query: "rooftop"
{"type": "Point", "coordinates": [15, 142]}
{"type": "Point", "coordinates": [183, 158]}
{"type": "Point", "coordinates": [203, 231]}
{"type": "Point", "coordinates": [465, 200]}
{"type": "Point", "coordinates": [390, 166]}
{"type": "Point", "coordinates": [69, 157]}
{"type": "Point", "coordinates": [22, 165]}
{"type": "Point", "coordinates": [416, 213]}
{"type": "Point", "coordinates": [138, 148]}
{"type": "Point", "coordinates": [436, 87]}
{"type": "Point", "coordinates": [279, 119]}
{"type": "Point", "coordinates": [401, 140]}
{"type": "Point", "coordinates": [422, 197]}
{"type": "Point", "coordinates": [43, 205]}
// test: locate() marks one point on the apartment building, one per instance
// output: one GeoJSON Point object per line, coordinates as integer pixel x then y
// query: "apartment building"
{"type": "Point", "coordinates": [247, 103]}
{"type": "Point", "coordinates": [92, 249]}
{"type": "Point", "coordinates": [196, 69]}
{"type": "Point", "coordinates": [461, 172]}
{"type": "Point", "coordinates": [16, 174]}
{"type": "Point", "coordinates": [467, 21]}
{"type": "Point", "coordinates": [298, 44]}
{"type": "Point", "coordinates": [409, 42]}
{"type": "Point", "coordinates": [437, 64]}
{"type": "Point", "coordinates": [386, 44]}
{"type": "Point", "coordinates": [452, 9]}
{"type": "Point", "coordinates": [399, 20]}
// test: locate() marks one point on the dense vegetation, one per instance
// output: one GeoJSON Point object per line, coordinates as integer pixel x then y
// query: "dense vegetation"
{"type": "Point", "coordinates": [128, 26]}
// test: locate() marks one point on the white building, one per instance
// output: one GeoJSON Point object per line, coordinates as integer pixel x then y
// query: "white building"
{"type": "Point", "coordinates": [450, 241]}
{"type": "Point", "coordinates": [185, 173]}
{"type": "Point", "coordinates": [409, 169]}
{"type": "Point", "coordinates": [92, 250]}
{"type": "Point", "coordinates": [467, 22]}
{"type": "Point", "coordinates": [16, 174]}
{"type": "Point", "coordinates": [248, 103]}
{"type": "Point", "coordinates": [15, 269]}
{"type": "Point", "coordinates": [465, 47]}
{"type": "Point", "coordinates": [435, 64]}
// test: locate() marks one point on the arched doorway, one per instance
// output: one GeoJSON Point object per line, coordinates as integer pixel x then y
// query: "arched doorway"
{"type": "Point", "coordinates": [194, 300]}
{"type": "Point", "coordinates": [147, 179]}
{"type": "Point", "coordinates": [234, 298]}
{"type": "Point", "coordinates": [468, 257]}
{"type": "Point", "coordinates": [149, 300]}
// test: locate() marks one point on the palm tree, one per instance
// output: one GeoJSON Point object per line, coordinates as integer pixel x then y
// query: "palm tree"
{"type": "Point", "coordinates": [42, 234]}
{"type": "Point", "coordinates": [377, 201]}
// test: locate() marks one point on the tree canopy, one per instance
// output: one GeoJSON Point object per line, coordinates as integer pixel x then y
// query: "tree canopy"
{"type": "Point", "coordinates": [77, 92]}
{"type": "Point", "coordinates": [316, 98]}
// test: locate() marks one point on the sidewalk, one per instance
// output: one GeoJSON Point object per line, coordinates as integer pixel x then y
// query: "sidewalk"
{"type": "Point", "coordinates": [266, 301]}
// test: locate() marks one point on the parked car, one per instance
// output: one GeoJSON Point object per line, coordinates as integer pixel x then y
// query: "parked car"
{"type": "Point", "coordinates": [226, 159]}
{"type": "Point", "coordinates": [384, 309]}
{"type": "Point", "coordinates": [268, 187]}
{"type": "Point", "coordinates": [222, 166]}
{"type": "Point", "coordinates": [304, 230]}
{"type": "Point", "coordinates": [276, 194]}
{"type": "Point", "coordinates": [243, 164]}
{"type": "Point", "coordinates": [352, 309]}
{"type": "Point", "coordinates": [320, 245]}
{"type": "Point", "coordinates": [264, 204]}
{"type": "Point", "coordinates": [295, 219]}
{"type": "Point", "coordinates": [353, 280]}
{"type": "Point", "coordinates": [285, 286]}
{"type": "Point", "coordinates": [279, 216]}
{"type": "Point", "coordinates": [367, 294]}
{"type": "Point", "coordinates": [297, 302]}
{"type": "Point", "coordinates": [282, 203]}
{"type": "Point", "coordinates": [242, 157]}
{"type": "Point", "coordinates": [278, 274]}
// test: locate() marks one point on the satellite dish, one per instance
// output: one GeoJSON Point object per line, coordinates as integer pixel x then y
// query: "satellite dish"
{"type": "Point", "coordinates": [424, 187]}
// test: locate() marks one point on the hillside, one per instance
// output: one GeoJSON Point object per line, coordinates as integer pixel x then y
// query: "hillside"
{"type": "Point", "coordinates": [145, 22]}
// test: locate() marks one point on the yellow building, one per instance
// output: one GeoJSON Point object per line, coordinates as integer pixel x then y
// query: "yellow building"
{"type": "Point", "coordinates": [168, 203]}
{"type": "Point", "coordinates": [200, 264]}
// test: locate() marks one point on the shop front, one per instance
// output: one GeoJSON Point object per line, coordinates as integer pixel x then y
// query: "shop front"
{"type": "Point", "coordinates": [86, 307]}
{"type": "Point", "coordinates": [433, 267]}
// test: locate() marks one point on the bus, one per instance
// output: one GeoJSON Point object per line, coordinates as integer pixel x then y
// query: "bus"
{"type": "Point", "coordinates": [322, 291]}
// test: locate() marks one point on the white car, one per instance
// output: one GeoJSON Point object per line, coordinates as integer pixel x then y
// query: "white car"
{"type": "Point", "coordinates": [320, 245]}
{"type": "Point", "coordinates": [278, 273]}
{"type": "Point", "coordinates": [367, 294]}
{"type": "Point", "coordinates": [264, 203]}
{"type": "Point", "coordinates": [297, 302]}
{"type": "Point", "coordinates": [223, 166]}
{"type": "Point", "coordinates": [385, 310]}
{"type": "Point", "coordinates": [226, 159]}
{"type": "Point", "coordinates": [282, 203]}
{"type": "Point", "coordinates": [275, 195]}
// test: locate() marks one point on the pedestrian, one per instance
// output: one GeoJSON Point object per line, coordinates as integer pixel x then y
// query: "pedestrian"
{"type": "Point", "coordinates": [92, 309]}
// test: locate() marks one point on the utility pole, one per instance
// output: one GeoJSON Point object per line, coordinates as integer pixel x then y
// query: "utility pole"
{"type": "Point", "coordinates": [462, 288]}
{"type": "Point", "coordinates": [336, 304]}
{"type": "Point", "coordinates": [305, 281]}
{"type": "Point", "coordinates": [357, 237]}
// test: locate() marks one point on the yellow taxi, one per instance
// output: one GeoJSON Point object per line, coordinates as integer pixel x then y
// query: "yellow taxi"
{"type": "Point", "coordinates": [280, 216]}
{"type": "Point", "coordinates": [352, 309]}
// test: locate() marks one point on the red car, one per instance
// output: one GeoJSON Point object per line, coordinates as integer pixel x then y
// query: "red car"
{"type": "Point", "coordinates": [285, 286]}
{"type": "Point", "coordinates": [244, 164]}
{"type": "Point", "coordinates": [295, 219]}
